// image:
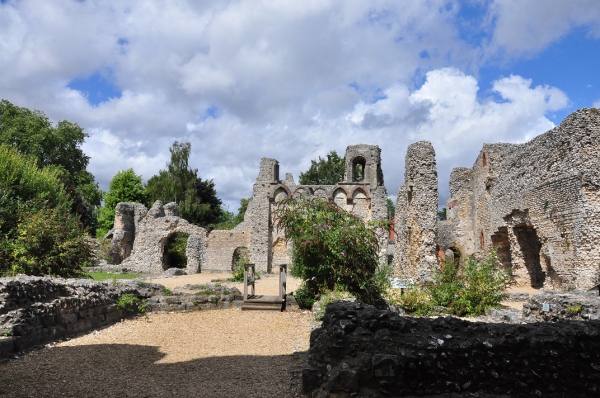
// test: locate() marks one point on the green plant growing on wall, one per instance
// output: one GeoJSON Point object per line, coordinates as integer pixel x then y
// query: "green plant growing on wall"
{"type": "Point", "coordinates": [130, 302]}
{"type": "Point", "coordinates": [574, 309]}
{"type": "Point", "coordinates": [332, 250]}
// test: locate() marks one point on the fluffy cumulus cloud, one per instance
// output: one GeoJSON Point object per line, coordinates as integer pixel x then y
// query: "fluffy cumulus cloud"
{"type": "Point", "coordinates": [291, 80]}
{"type": "Point", "coordinates": [525, 27]}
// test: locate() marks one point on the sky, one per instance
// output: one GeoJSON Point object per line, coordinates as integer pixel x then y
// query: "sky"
{"type": "Point", "coordinates": [294, 80]}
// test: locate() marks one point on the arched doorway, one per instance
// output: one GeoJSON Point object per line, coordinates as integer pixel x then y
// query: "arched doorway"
{"type": "Point", "coordinates": [239, 257]}
{"type": "Point", "coordinates": [174, 251]}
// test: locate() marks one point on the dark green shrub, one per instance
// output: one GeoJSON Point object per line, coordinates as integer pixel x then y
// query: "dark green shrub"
{"type": "Point", "coordinates": [332, 249]}
{"type": "Point", "coordinates": [304, 297]}
{"type": "Point", "coordinates": [238, 268]}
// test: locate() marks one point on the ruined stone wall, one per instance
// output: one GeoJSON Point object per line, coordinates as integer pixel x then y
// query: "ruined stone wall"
{"type": "Point", "coordinates": [364, 352]}
{"type": "Point", "coordinates": [365, 197]}
{"type": "Point", "coordinates": [36, 310]}
{"type": "Point", "coordinates": [221, 247]}
{"type": "Point", "coordinates": [538, 203]}
{"type": "Point", "coordinates": [416, 215]}
{"type": "Point", "coordinates": [151, 236]}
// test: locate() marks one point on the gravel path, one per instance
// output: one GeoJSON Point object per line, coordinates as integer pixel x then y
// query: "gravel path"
{"type": "Point", "coordinates": [219, 353]}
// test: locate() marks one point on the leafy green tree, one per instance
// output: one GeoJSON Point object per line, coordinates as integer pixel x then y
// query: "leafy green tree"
{"type": "Point", "coordinates": [328, 171]}
{"type": "Point", "coordinates": [197, 198]}
{"type": "Point", "coordinates": [231, 220]}
{"type": "Point", "coordinates": [31, 133]}
{"type": "Point", "coordinates": [442, 214]}
{"type": "Point", "coordinates": [244, 202]}
{"type": "Point", "coordinates": [38, 233]}
{"type": "Point", "coordinates": [125, 186]}
{"type": "Point", "coordinates": [391, 209]}
{"type": "Point", "coordinates": [332, 250]}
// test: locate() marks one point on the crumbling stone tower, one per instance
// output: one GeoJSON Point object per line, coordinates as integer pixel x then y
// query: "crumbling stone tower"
{"type": "Point", "coordinates": [416, 214]}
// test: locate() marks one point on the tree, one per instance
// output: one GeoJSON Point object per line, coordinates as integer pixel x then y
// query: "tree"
{"type": "Point", "coordinates": [125, 186]}
{"type": "Point", "coordinates": [328, 171]}
{"type": "Point", "coordinates": [442, 214]}
{"type": "Point", "coordinates": [38, 233]}
{"type": "Point", "coordinates": [31, 133]}
{"type": "Point", "coordinates": [197, 198]}
{"type": "Point", "coordinates": [332, 250]}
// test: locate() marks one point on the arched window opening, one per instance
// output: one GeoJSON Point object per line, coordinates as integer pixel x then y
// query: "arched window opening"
{"type": "Point", "coordinates": [358, 169]}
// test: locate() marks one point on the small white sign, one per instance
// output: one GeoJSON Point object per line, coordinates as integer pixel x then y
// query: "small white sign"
{"type": "Point", "coordinates": [545, 307]}
{"type": "Point", "coordinates": [398, 283]}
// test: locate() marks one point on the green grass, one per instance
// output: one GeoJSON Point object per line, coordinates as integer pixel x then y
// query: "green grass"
{"type": "Point", "coordinates": [103, 276]}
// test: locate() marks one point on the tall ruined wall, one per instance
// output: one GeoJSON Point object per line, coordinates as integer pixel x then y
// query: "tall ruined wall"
{"type": "Point", "coordinates": [538, 203]}
{"type": "Point", "coordinates": [258, 215]}
{"type": "Point", "coordinates": [416, 214]}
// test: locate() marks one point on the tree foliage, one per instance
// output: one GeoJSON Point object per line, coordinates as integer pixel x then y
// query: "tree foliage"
{"type": "Point", "coordinates": [332, 249]}
{"type": "Point", "coordinates": [38, 233]}
{"type": "Point", "coordinates": [32, 134]}
{"type": "Point", "coordinates": [197, 198]}
{"type": "Point", "coordinates": [125, 186]}
{"type": "Point", "coordinates": [328, 171]}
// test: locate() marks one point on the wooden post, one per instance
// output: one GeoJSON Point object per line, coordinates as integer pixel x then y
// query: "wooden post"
{"type": "Point", "coordinates": [248, 272]}
{"type": "Point", "coordinates": [282, 281]}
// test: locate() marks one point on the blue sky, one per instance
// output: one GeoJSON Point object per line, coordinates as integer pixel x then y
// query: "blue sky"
{"type": "Point", "coordinates": [246, 79]}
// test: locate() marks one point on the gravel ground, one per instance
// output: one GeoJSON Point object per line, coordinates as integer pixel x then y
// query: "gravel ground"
{"type": "Point", "coordinates": [268, 285]}
{"type": "Point", "coordinates": [219, 353]}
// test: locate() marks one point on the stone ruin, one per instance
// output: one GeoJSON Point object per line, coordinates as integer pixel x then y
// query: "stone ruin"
{"type": "Point", "coordinates": [140, 236]}
{"type": "Point", "coordinates": [537, 203]}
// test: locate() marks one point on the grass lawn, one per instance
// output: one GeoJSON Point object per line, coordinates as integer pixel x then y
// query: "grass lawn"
{"type": "Point", "coordinates": [102, 276]}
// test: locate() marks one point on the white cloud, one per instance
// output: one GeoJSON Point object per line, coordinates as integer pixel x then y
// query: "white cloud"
{"type": "Point", "coordinates": [291, 80]}
{"type": "Point", "coordinates": [525, 27]}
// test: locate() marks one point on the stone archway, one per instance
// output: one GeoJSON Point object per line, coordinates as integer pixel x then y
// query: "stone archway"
{"type": "Point", "coordinates": [239, 254]}
{"type": "Point", "coordinates": [527, 253]}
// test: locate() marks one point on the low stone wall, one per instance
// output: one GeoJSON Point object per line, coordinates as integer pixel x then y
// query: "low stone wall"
{"type": "Point", "coordinates": [36, 310]}
{"type": "Point", "coordinates": [562, 306]}
{"type": "Point", "coordinates": [362, 351]}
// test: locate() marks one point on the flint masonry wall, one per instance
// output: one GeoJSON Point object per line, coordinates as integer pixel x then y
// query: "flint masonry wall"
{"type": "Point", "coordinates": [362, 194]}
{"type": "Point", "coordinates": [416, 214]}
{"type": "Point", "coordinates": [368, 352]}
{"type": "Point", "coordinates": [35, 310]}
{"type": "Point", "coordinates": [221, 247]}
{"type": "Point", "coordinates": [152, 233]}
{"type": "Point", "coordinates": [537, 202]}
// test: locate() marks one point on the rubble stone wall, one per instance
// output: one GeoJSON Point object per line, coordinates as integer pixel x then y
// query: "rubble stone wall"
{"type": "Point", "coordinates": [416, 215]}
{"type": "Point", "coordinates": [36, 310]}
{"type": "Point", "coordinates": [362, 351]}
{"type": "Point", "coordinates": [153, 231]}
{"type": "Point", "coordinates": [221, 248]}
{"type": "Point", "coordinates": [537, 202]}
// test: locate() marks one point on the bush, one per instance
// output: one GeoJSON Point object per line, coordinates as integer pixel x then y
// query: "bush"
{"type": "Point", "coordinates": [468, 290]}
{"type": "Point", "coordinates": [38, 233]}
{"type": "Point", "coordinates": [332, 249]}
{"type": "Point", "coordinates": [238, 268]}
